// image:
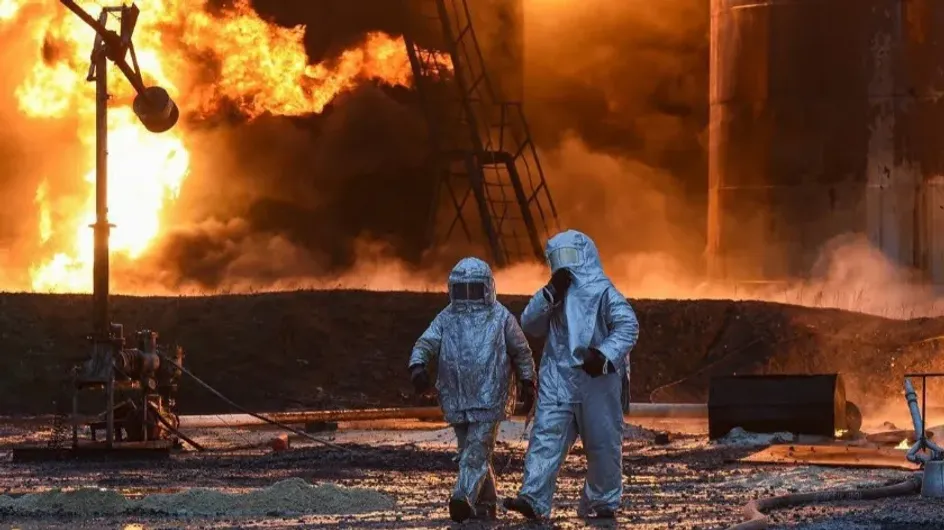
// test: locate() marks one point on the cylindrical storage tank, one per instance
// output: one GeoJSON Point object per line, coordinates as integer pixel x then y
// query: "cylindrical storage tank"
{"type": "Point", "coordinates": [826, 119]}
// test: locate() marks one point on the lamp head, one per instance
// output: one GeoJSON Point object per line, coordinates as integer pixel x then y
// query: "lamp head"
{"type": "Point", "coordinates": [156, 110]}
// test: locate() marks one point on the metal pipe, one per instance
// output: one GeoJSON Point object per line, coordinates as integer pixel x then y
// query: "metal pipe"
{"type": "Point", "coordinates": [917, 419]}
{"type": "Point", "coordinates": [175, 430]}
{"type": "Point", "coordinates": [636, 411]}
{"type": "Point", "coordinates": [231, 403]}
{"type": "Point", "coordinates": [110, 39]}
{"type": "Point", "coordinates": [915, 456]}
{"type": "Point", "coordinates": [301, 417]}
{"type": "Point", "coordinates": [97, 25]}
{"type": "Point", "coordinates": [924, 406]}
{"type": "Point", "coordinates": [912, 398]}
{"type": "Point", "coordinates": [110, 403]}
{"type": "Point", "coordinates": [688, 411]}
{"type": "Point", "coordinates": [756, 520]}
{"type": "Point", "coordinates": [101, 228]}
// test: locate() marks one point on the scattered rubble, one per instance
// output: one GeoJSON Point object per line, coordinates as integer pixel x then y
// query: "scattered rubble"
{"type": "Point", "coordinates": [793, 479]}
{"type": "Point", "coordinates": [738, 437]}
{"type": "Point", "coordinates": [637, 433]}
{"type": "Point", "coordinates": [686, 484]}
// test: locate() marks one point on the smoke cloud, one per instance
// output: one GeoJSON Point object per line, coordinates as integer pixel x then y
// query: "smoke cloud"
{"type": "Point", "coordinates": [265, 198]}
{"type": "Point", "coordinates": [617, 113]}
{"type": "Point", "coordinates": [298, 194]}
{"type": "Point", "coordinates": [616, 93]}
{"type": "Point", "coordinates": [616, 97]}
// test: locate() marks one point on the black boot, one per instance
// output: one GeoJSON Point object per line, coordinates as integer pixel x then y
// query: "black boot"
{"type": "Point", "coordinates": [460, 510]}
{"type": "Point", "coordinates": [521, 506]}
{"type": "Point", "coordinates": [486, 512]}
{"type": "Point", "coordinates": [603, 513]}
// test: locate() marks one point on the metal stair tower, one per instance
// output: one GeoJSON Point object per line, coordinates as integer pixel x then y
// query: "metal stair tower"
{"type": "Point", "coordinates": [480, 144]}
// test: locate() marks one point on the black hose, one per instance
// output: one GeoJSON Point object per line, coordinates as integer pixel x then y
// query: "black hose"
{"type": "Point", "coordinates": [249, 412]}
{"type": "Point", "coordinates": [758, 521]}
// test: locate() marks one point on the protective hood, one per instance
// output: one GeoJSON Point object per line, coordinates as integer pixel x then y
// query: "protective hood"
{"type": "Point", "coordinates": [475, 340]}
{"type": "Point", "coordinates": [576, 252]}
{"type": "Point", "coordinates": [471, 284]}
{"type": "Point", "coordinates": [591, 314]}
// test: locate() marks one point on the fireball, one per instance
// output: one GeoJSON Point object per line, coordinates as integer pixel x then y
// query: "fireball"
{"type": "Point", "coordinates": [8, 9]}
{"type": "Point", "coordinates": [205, 60]}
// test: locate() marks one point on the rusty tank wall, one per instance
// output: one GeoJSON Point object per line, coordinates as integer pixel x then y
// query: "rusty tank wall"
{"type": "Point", "coordinates": [825, 119]}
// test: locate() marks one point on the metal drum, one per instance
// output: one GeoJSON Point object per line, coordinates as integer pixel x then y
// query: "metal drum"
{"type": "Point", "coordinates": [799, 404]}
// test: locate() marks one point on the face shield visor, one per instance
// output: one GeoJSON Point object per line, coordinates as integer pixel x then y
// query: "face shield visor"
{"type": "Point", "coordinates": [467, 292]}
{"type": "Point", "coordinates": [563, 257]}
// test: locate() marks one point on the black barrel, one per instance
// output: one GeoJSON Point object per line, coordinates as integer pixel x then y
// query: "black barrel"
{"type": "Point", "coordinates": [800, 404]}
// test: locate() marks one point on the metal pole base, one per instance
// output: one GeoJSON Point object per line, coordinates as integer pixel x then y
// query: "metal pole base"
{"type": "Point", "coordinates": [933, 483]}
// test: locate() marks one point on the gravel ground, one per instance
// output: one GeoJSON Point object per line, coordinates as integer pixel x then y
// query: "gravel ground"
{"type": "Point", "coordinates": [686, 484]}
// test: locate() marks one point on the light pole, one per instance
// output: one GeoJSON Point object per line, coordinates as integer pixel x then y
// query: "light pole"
{"type": "Point", "coordinates": [153, 106]}
{"type": "Point", "coordinates": [158, 113]}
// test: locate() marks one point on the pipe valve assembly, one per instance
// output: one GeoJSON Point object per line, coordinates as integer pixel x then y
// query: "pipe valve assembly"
{"type": "Point", "coordinates": [140, 387]}
{"type": "Point", "coordinates": [924, 452]}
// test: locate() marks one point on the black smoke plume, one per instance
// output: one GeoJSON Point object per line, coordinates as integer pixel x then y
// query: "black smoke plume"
{"type": "Point", "coordinates": [615, 93]}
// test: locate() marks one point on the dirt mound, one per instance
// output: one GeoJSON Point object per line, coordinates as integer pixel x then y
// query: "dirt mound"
{"type": "Point", "coordinates": [330, 349]}
{"type": "Point", "coordinates": [287, 497]}
{"type": "Point", "coordinates": [291, 496]}
{"type": "Point", "coordinates": [85, 501]}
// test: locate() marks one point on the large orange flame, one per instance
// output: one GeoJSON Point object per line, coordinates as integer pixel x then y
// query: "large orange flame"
{"type": "Point", "coordinates": [8, 9]}
{"type": "Point", "coordinates": [205, 60]}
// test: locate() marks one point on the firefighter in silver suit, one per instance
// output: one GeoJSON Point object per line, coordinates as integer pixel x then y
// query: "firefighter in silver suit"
{"type": "Point", "coordinates": [589, 329]}
{"type": "Point", "coordinates": [479, 346]}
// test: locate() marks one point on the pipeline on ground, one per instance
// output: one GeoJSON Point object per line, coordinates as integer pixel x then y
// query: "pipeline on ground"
{"type": "Point", "coordinates": [678, 411]}
{"type": "Point", "coordinates": [754, 511]}
{"type": "Point", "coordinates": [253, 414]}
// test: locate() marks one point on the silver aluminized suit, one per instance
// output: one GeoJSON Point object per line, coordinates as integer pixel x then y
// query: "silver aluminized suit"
{"type": "Point", "coordinates": [478, 342]}
{"type": "Point", "coordinates": [593, 315]}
